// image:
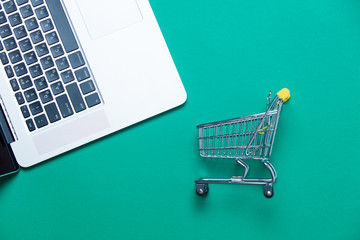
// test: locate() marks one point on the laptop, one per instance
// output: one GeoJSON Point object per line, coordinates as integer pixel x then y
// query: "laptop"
{"type": "Point", "coordinates": [72, 71]}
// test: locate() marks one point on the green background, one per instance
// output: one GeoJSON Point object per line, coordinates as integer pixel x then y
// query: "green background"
{"type": "Point", "coordinates": [139, 183]}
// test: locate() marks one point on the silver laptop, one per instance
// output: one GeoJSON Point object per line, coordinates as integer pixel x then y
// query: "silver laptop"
{"type": "Point", "coordinates": [73, 71]}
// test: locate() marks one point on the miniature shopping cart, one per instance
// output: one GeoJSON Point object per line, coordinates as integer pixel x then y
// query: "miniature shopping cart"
{"type": "Point", "coordinates": [250, 137]}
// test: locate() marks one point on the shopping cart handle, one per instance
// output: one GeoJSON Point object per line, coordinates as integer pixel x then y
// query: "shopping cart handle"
{"type": "Point", "coordinates": [284, 94]}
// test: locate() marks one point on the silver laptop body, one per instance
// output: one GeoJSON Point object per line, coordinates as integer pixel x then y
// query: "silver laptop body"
{"type": "Point", "coordinates": [73, 71]}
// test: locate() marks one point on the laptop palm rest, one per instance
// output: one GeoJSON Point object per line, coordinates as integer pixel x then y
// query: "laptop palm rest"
{"type": "Point", "coordinates": [72, 132]}
{"type": "Point", "coordinates": [117, 15]}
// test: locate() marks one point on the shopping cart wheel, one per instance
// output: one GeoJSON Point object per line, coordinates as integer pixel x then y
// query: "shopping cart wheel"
{"type": "Point", "coordinates": [268, 190]}
{"type": "Point", "coordinates": [202, 189]}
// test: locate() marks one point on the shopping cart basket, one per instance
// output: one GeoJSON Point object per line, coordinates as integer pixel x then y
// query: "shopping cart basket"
{"type": "Point", "coordinates": [243, 138]}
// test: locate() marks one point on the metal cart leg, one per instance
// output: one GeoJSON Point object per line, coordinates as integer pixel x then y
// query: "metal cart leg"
{"type": "Point", "coordinates": [271, 169]}
{"type": "Point", "coordinates": [246, 167]}
{"type": "Point", "coordinates": [268, 188]}
{"type": "Point", "coordinates": [202, 187]}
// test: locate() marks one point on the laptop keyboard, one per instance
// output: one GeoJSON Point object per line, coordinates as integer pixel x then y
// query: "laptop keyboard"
{"type": "Point", "coordinates": [44, 63]}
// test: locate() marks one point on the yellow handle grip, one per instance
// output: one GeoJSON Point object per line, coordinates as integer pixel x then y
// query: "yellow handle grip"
{"type": "Point", "coordinates": [284, 94]}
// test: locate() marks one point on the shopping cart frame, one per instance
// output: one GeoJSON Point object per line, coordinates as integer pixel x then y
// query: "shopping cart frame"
{"type": "Point", "coordinates": [253, 151]}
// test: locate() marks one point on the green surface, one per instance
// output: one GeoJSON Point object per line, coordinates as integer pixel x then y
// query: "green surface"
{"type": "Point", "coordinates": [139, 183]}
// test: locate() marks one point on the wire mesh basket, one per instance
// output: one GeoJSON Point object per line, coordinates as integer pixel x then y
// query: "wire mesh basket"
{"type": "Point", "coordinates": [249, 137]}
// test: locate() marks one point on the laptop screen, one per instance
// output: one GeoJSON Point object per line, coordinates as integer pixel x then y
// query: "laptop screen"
{"type": "Point", "coordinates": [7, 160]}
{"type": "Point", "coordinates": [8, 163]}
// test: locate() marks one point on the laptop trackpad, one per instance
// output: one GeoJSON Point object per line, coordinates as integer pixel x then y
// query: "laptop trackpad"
{"type": "Point", "coordinates": [79, 129]}
{"type": "Point", "coordinates": [107, 16]}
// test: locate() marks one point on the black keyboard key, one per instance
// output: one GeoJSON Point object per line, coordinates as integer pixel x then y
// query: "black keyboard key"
{"type": "Point", "coordinates": [19, 97]}
{"type": "Point", "coordinates": [9, 72]}
{"type": "Point", "coordinates": [25, 111]}
{"type": "Point", "coordinates": [30, 95]}
{"type": "Point", "coordinates": [20, 69]}
{"type": "Point", "coordinates": [10, 6]}
{"type": "Point", "coordinates": [1, 46]}
{"type": "Point", "coordinates": [31, 24]}
{"type": "Point", "coordinates": [64, 106]}
{"type": "Point", "coordinates": [25, 82]}
{"type": "Point", "coordinates": [26, 11]}
{"type": "Point", "coordinates": [62, 63]}
{"type": "Point", "coordinates": [75, 97]}
{"type": "Point", "coordinates": [10, 44]}
{"type": "Point", "coordinates": [52, 75]}
{"type": "Point", "coordinates": [87, 87]}
{"type": "Point", "coordinates": [2, 18]}
{"type": "Point", "coordinates": [92, 100]}
{"type": "Point", "coordinates": [52, 112]}
{"type": "Point", "coordinates": [35, 71]}
{"type": "Point", "coordinates": [14, 85]}
{"type": "Point", "coordinates": [15, 56]}
{"type": "Point", "coordinates": [30, 58]}
{"type": "Point", "coordinates": [46, 62]}
{"type": "Point", "coordinates": [15, 19]}
{"type": "Point", "coordinates": [42, 49]}
{"type": "Point", "coordinates": [82, 74]}
{"type": "Point", "coordinates": [40, 83]}
{"type": "Point", "coordinates": [25, 45]}
{"type": "Point", "coordinates": [76, 59]}
{"type": "Point", "coordinates": [21, 2]}
{"type": "Point", "coordinates": [52, 38]}
{"type": "Point", "coordinates": [36, 37]}
{"type": "Point", "coordinates": [62, 24]}
{"type": "Point", "coordinates": [46, 96]}
{"type": "Point", "coordinates": [36, 3]}
{"type": "Point", "coordinates": [4, 59]}
{"type": "Point", "coordinates": [67, 76]}
{"type": "Point", "coordinates": [20, 32]}
{"type": "Point", "coordinates": [5, 31]}
{"type": "Point", "coordinates": [41, 12]}
{"type": "Point", "coordinates": [30, 125]}
{"type": "Point", "coordinates": [47, 25]}
{"type": "Point", "coordinates": [35, 108]}
{"type": "Point", "coordinates": [57, 51]}
{"type": "Point", "coordinates": [41, 121]}
{"type": "Point", "coordinates": [57, 88]}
